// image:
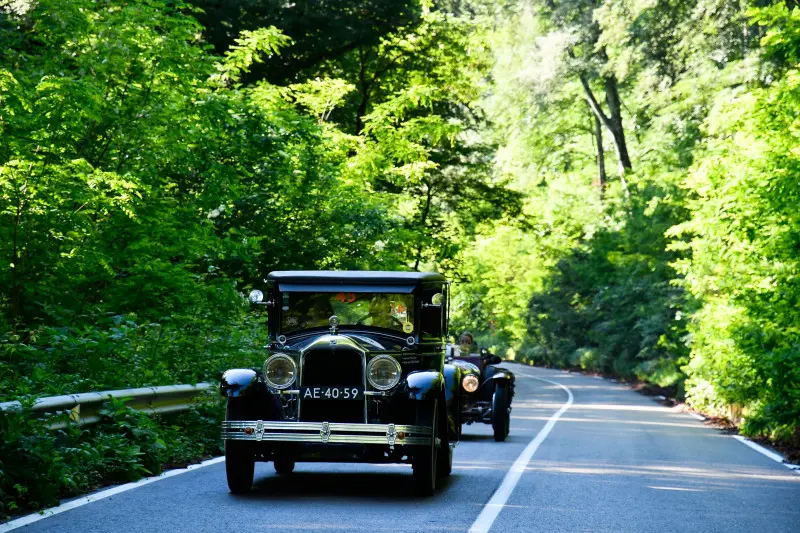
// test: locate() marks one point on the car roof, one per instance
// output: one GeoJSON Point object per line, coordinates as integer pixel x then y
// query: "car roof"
{"type": "Point", "coordinates": [353, 277]}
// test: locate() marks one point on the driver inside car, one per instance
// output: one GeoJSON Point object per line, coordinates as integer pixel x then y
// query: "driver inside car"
{"type": "Point", "coordinates": [380, 312]}
{"type": "Point", "coordinates": [319, 312]}
{"type": "Point", "coordinates": [465, 343]}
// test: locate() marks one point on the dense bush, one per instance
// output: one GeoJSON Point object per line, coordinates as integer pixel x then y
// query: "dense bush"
{"type": "Point", "coordinates": [745, 230]}
{"type": "Point", "coordinates": [119, 352]}
{"type": "Point", "coordinates": [686, 272]}
{"type": "Point", "coordinates": [146, 184]}
{"type": "Point", "coordinates": [39, 465]}
{"type": "Point", "coordinates": [148, 181]}
{"type": "Point", "coordinates": [609, 305]}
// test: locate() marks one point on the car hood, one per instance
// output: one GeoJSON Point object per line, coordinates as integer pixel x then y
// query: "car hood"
{"type": "Point", "coordinates": [368, 342]}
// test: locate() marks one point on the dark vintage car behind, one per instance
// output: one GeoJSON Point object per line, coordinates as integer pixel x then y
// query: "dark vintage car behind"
{"type": "Point", "coordinates": [354, 372]}
{"type": "Point", "coordinates": [487, 389]}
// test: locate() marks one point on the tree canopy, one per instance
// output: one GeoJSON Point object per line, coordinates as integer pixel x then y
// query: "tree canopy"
{"type": "Point", "coordinates": [612, 184]}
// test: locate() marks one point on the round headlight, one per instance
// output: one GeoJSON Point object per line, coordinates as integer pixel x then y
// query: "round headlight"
{"type": "Point", "coordinates": [280, 371]}
{"type": "Point", "coordinates": [383, 372]}
{"type": "Point", "coordinates": [470, 383]}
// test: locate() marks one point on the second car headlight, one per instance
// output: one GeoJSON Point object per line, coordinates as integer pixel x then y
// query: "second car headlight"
{"type": "Point", "coordinates": [383, 372]}
{"type": "Point", "coordinates": [280, 371]}
{"type": "Point", "coordinates": [470, 383]}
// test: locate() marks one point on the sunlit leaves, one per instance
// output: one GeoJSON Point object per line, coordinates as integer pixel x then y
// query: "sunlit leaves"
{"type": "Point", "coordinates": [249, 48]}
{"type": "Point", "coordinates": [744, 235]}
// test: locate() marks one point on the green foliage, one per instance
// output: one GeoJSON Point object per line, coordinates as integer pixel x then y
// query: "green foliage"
{"type": "Point", "coordinates": [39, 465]}
{"type": "Point", "coordinates": [689, 277]}
{"type": "Point", "coordinates": [153, 168]}
{"type": "Point", "coordinates": [146, 184]}
{"type": "Point", "coordinates": [249, 48]}
{"type": "Point", "coordinates": [745, 233]}
{"type": "Point", "coordinates": [320, 31]}
{"type": "Point", "coordinates": [120, 352]}
{"type": "Point", "coordinates": [609, 306]}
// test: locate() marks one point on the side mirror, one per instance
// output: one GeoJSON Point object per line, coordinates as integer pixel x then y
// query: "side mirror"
{"type": "Point", "coordinates": [256, 297]}
{"type": "Point", "coordinates": [436, 301]}
{"type": "Point", "coordinates": [495, 360]}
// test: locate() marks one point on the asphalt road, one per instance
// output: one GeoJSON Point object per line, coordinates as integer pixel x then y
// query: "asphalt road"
{"type": "Point", "coordinates": [615, 461]}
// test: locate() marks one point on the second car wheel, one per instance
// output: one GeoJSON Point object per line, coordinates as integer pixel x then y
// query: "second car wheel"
{"type": "Point", "coordinates": [425, 458]}
{"type": "Point", "coordinates": [501, 418]}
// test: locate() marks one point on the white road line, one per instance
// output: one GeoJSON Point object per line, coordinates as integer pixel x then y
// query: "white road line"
{"type": "Point", "coordinates": [498, 500]}
{"type": "Point", "coordinates": [764, 451]}
{"type": "Point", "coordinates": [701, 418]}
{"type": "Point", "coordinates": [79, 502]}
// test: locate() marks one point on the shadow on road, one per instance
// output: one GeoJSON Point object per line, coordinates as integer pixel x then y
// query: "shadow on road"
{"type": "Point", "coordinates": [473, 437]}
{"type": "Point", "coordinates": [341, 485]}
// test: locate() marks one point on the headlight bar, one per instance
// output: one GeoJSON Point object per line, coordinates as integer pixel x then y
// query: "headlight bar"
{"type": "Point", "coordinates": [327, 432]}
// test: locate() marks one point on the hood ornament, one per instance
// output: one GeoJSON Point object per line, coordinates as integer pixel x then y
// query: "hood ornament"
{"type": "Point", "coordinates": [334, 323]}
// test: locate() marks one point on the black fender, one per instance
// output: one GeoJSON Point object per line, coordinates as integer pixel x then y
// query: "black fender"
{"type": "Point", "coordinates": [501, 374]}
{"type": "Point", "coordinates": [494, 376]}
{"type": "Point", "coordinates": [452, 379]}
{"type": "Point", "coordinates": [425, 385]}
{"type": "Point", "coordinates": [253, 399]}
{"type": "Point", "coordinates": [452, 382]}
{"type": "Point", "coordinates": [238, 382]}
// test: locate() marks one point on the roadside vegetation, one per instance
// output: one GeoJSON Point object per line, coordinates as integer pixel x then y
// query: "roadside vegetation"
{"type": "Point", "coordinates": [656, 146]}
{"type": "Point", "coordinates": [612, 185]}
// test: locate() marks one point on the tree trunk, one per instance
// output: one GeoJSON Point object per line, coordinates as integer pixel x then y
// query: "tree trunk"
{"type": "Point", "coordinates": [601, 156]}
{"type": "Point", "coordinates": [363, 90]}
{"type": "Point", "coordinates": [362, 108]}
{"type": "Point", "coordinates": [615, 123]}
{"type": "Point", "coordinates": [423, 220]}
{"type": "Point", "coordinates": [614, 126]}
{"type": "Point", "coordinates": [16, 255]}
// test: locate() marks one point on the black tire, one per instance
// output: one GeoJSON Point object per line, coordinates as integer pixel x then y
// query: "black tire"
{"type": "Point", "coordinates": [239, 459]}
{"type": "Point", "coordinates": [425, 459]}
{"type": "Point", "coordinates": [283, 467]}
{"type": "Point", "coordinates": [445, 459]}
{"type": "Point", "coordinates": [501, 418]}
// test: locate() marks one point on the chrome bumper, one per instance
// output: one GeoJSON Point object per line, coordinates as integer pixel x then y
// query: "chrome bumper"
{"type": "Point", "coordinates": [327, 432]}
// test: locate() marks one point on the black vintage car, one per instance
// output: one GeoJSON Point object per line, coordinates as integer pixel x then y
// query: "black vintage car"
{"type": "Point", "coordinates": [355, 372]}
{"type": "Point", "coordinates": [487, 389]}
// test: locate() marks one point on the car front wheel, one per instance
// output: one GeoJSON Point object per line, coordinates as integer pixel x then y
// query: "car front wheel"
{"type": "Point", "coordinates": [425, 459]}
{"type": "Point", "coordinates": [239, 459]}
{"type": "Point", "coordinates": [501, 418]}
{"type": "Point", "coordinates": [445, 451]}
{"type": "Point", "coordinates": [284, 467]}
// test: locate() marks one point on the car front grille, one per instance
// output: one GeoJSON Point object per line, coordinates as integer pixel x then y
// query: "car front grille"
{"type": "Point", "coordinates": [337, 367]}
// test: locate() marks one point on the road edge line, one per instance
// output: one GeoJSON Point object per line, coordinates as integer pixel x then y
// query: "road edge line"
{"type": "Point", "coordinates": [492, 509]}
{"type": "Point", "coordinates": [778, 458]}
{"type": "Point", "coordinates": [103, 494]}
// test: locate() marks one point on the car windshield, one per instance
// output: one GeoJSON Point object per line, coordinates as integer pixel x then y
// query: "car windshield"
{"type": "Point", "coordinates": [303, 310]}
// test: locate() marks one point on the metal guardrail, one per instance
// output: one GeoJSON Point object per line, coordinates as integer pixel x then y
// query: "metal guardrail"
{"type": "Point", "coordinates": [85, 408]}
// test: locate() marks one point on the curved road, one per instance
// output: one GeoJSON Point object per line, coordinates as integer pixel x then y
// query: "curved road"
{"type": "Point", "coordinates": [615, 461]}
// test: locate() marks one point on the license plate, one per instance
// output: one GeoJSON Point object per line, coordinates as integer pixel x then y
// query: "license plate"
{"type": "Point", "coordinates": [331, 393]}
